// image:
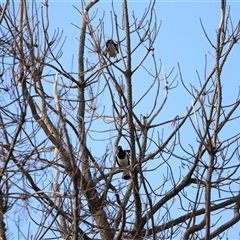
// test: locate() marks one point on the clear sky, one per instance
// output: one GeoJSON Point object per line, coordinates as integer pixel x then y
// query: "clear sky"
{"type": "Point", "coordinates": [181, 40]}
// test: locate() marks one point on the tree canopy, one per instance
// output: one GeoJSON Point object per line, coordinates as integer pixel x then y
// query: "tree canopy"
{"type": "Point", "coordinates": [60, 127]}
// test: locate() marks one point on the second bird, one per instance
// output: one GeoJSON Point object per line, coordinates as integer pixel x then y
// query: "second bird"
{"type": "Point", "coordinates": [122, 159]}
{"type": "Point", "coordinates": [111, 48]}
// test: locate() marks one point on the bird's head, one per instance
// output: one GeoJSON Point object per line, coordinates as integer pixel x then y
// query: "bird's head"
{"type": "Point", "coordinates": [119, 148]}
{"type": "Point", "coordinates": [108, 42]}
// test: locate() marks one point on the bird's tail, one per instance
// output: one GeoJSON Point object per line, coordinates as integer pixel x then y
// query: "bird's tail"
{"type": "Point", "coordinates": [126, 175]}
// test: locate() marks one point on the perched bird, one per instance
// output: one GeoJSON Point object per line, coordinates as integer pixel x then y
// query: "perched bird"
{"type": "Point", "coordinates": [111, 48]}
{"type": "Point", "coordinates": [122, 159]}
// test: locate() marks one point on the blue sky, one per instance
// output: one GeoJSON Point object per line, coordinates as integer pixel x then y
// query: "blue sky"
{"type": "Point", "coordinates": [180, 40]}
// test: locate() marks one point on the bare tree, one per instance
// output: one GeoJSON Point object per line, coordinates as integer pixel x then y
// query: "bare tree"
{"type": "Point", "coordinates": [51, 124]}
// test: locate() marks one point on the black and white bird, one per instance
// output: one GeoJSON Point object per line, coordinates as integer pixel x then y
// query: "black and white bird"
{"type": "Point", "coordinates": [111, 48]}
{"type": "Point", "coordinates": [122, 159]}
